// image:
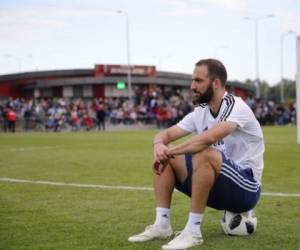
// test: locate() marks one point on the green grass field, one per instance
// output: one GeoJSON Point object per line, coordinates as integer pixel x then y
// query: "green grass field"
{"type": "Point", "coordinates": [36, 216]}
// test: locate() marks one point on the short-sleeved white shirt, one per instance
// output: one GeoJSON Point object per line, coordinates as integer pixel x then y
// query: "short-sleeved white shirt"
{"type": "Point", "coordinates": [245, 145]}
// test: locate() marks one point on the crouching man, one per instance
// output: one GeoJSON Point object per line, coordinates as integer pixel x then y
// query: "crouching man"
{"type": "Point", "coordinates": [220, 166]}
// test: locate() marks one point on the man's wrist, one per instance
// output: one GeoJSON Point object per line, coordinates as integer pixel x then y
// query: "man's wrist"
{"type": "Point", "coordinates": [158, 141]}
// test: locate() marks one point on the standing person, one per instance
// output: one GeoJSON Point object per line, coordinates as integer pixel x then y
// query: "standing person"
{"type": "Point", "coordinates": [3, 114]}
{"type": "Point", "coordinates": [28, 118]}
{"type": "Point", "coordinates": [220, 166]}
{"type": "Point", "coordinates": [101, 115]}
{"type": "Point", "coordinates": [11, 119]}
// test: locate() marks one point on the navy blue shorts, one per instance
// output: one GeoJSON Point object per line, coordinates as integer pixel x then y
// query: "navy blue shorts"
{"type": "Point", "coordinates": [235, 189]}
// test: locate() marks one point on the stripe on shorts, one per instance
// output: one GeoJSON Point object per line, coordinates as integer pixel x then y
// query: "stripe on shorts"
{"type": "Point", "coordinates": [230, 169]}
{"type": "Point", "coordinates": [237, 178]}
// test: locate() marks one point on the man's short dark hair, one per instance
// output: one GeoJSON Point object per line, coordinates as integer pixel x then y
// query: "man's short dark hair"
{"type": "Point", "coordinates": [215, 68]}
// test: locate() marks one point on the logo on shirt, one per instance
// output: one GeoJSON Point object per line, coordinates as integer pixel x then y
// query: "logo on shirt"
{"type": "Point", "coordinates": [218, 143]}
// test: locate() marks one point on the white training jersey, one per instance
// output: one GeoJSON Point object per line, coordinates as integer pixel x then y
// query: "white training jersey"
{"type": "Point", "coordinates": [245, 145]}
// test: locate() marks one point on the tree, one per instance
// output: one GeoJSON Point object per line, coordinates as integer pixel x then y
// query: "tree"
{"type": "Point", "coordinates": [273, 92]}
{"type": "Point", "coordinates": [290, 90]}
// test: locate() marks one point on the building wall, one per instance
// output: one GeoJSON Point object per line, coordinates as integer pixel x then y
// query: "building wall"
{"type": "Point", "coordinates": [8, 90]}
{"type": "Point", "coordinates": [5, 90]}
{"type": "Point", "coordinates": [241, 93]}
{"type": "Point", "coordinates": [83, 83]}
{"type": "Point", "coordinates": [112, 91]}
{"type": "Point", "coordinates": [99, 91]}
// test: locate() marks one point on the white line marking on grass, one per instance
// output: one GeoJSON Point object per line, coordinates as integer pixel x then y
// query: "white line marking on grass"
{"type": "Point", "coordinates": [281, 194]}
{"type": "Point", "coordinates": [32, 148]}
{"type": "Point", "coordinates": [77, 185]}
{"type": "Point", "coordinates": [4, 179]}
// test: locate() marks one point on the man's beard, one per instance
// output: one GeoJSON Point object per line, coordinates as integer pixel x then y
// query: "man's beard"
{"type": "Point", "coordinates": [206, 96]}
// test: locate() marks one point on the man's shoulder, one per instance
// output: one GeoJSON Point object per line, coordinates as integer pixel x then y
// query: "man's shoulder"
{"type": "Point", "coordinates": [237, 98]}
{"type": "Point", "coordinates": [232, 100]}
{"type": "Point", "coordinates": [229, 98]}
{"type": "Point", "coordinates": [234, 105]}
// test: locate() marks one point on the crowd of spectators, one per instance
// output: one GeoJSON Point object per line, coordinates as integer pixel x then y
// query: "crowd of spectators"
{"type": "Point", "coordinates": [268, 113]}
{"type": "Point", "coordinates": [150, 107]}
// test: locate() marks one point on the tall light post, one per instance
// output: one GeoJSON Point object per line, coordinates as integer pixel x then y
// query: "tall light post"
{"type": "Point", "coordinates": [128, 53]}
{"type": "Point", "coordinates": [298, 86]}
{"type": "Point", "coordinates": [256, 20]}
{"type": "Point", "coordinates": [290, 32]}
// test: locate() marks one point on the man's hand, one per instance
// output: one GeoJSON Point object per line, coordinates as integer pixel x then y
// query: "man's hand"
{"type": "Point", "coordinates": [161, 153]}
{"type": "Point", "coordinates": [158, 168]}
{"type": "Point", "coordinates": [161, 158]}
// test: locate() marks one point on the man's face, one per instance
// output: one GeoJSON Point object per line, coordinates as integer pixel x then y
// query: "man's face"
{"type": "Point", "coordinates": [201, 85]}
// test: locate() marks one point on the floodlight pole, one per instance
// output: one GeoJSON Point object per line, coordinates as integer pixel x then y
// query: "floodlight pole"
{"type": "Point", "coordinates": [128, 54]}
{"type": "Point", "coordinates": [290, 32]}
{"type": "Point", "coordinates": [298, 87]}
{"type": "Point", "coordinates": [256, 43]}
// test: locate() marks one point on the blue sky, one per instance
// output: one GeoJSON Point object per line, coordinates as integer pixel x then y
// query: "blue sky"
{"type": "Point", "coordinates": [171, 34]}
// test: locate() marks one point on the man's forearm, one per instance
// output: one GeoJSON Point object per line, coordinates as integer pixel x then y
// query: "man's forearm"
{"type": "Point", "coordinates": [162, 137]}
{"type": "Point", "coordinates": [193, 145]}
{"type": "Point", "coordinates": [169, 135]}
{"type": "Point", "coordinates": [202, 141]}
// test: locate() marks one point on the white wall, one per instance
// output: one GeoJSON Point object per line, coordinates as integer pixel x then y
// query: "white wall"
{"type": "Point", "coordinates": [112, 91]}
{"type": "Point", "coordinates": [88, 91]}
{"type": "Point", "coordinates": [67, 91]}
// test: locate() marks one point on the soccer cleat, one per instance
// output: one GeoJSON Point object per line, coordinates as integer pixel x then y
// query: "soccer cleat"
{"type": "Point", "coordinates": [152, 232]}
{"type": "Point", "coordinates": [184, 240]}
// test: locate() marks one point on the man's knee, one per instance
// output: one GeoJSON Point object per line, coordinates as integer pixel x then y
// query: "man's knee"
{"type": "Point", "coordinates": [178, 166]}
{"type": "Point", "coordinates": [204, 155]}
{"type": "Point", "coordinates": [208, 158]}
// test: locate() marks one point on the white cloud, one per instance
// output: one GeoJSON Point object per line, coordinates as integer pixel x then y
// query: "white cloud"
{"type": "Point", "coordinates": [36, 24]}
{"type": "Point", "coordinates": [190, 8]}
{"type": "Point", "coordinates": [230, 4]}
{"type": "Point", "coordinates": [48, 15]}
{"type": "Point", "coordinates": [187, 12]}
{"type": "Point", "coordinates": [182, 8]}
{"type": "Point", "coordinates": [289, 20]}
{"type": "Point", "coordinates": [175, 3]}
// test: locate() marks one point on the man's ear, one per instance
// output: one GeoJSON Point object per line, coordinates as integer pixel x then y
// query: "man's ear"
{"type": "Point", "coordinates": [216, 83]}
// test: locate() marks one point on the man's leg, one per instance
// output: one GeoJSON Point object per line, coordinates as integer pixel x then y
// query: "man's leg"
{"type": "Point", "coordinates": [206, 168]}
{"type": "Point", "coordinates": [164, 183]}
{"type": "Point", "coordinates": [163, 190]}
